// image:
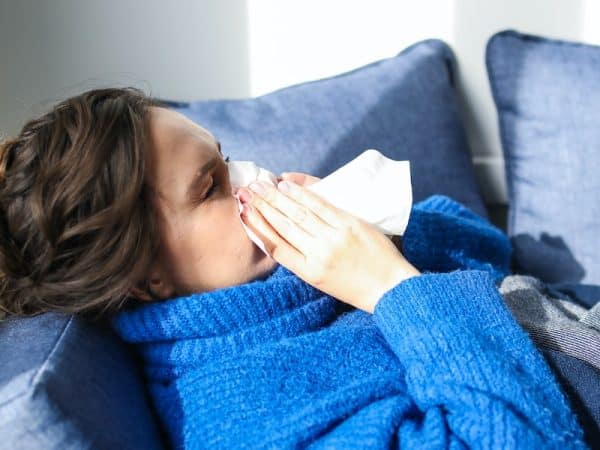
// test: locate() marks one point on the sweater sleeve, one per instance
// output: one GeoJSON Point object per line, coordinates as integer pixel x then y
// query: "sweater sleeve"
{"type": "Point", "coordinates": [474, 375]}
{"type": "Point", "coordinates": [442, 235]}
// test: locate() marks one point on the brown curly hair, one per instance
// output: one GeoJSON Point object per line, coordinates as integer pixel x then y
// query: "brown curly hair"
{"type": "Point", "coordinates": [76, 224]}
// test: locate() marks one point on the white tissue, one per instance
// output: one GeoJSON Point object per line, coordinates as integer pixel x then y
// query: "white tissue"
{"type": "Point", "coordinates": [241, 174]}
{"type": "Point", "coordinates": [372, 187]}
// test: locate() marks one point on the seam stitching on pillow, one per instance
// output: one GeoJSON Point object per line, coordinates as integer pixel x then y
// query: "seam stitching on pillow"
{"type": "Point", "coordinates": [40, 371]}
{"type": "Point", "coordinates": [35, 378]}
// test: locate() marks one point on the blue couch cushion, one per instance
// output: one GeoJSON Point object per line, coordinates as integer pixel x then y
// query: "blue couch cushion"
{"type": "Point", "coordinates": [404, 106]}
{"type": "Point", "coordinates": [547, 93]}
{"type": "Point", "coordinates": [69, 384]}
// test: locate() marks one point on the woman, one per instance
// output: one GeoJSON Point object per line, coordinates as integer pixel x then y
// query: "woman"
{"type": "Point", "coordinates": [336, 339]}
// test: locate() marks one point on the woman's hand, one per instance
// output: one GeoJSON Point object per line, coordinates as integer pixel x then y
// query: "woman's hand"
{"type": "Point", "coordinates": [328, 248]}
{"type": "Point", "coordinates": [303, 179]}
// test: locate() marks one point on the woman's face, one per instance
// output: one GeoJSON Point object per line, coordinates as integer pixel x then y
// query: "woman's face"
{"type": "Point", "coordinates": [203, 245]}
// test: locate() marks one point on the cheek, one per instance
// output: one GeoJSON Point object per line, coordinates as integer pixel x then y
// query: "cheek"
{"type": "Point", "coordinates": [218, 231]}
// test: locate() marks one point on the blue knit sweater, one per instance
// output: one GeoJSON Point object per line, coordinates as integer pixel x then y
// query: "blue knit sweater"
{"type": "Point", "coordinates": [276, 363]}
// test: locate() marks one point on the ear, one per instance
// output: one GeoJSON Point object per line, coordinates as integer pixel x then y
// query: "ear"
{"type": "Point", "coordinates": [157, 283]}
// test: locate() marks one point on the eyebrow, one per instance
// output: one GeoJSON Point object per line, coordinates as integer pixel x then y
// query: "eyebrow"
{"type": "Point", "coordinates": [200, 174]}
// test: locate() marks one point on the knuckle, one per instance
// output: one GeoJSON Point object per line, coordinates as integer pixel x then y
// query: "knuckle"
{"type": "Point", "coordinates": [287, 225]}
{"type": "Point", "coordinates": [270, 195]}
{"type": "Point", "coordinates": [319, 209]}
{"type": "Point", "coordinates": [299, 215]}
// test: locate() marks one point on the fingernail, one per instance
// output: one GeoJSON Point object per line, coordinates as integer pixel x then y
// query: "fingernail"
{"type": "Point", "coordinates": [257, 187]}
{"type": "Point", "coordinates": [246, 209]}
{"type": "Point", "coordinates": [244, 195]}
{"type": "Point", "coordinates": [284, 186]}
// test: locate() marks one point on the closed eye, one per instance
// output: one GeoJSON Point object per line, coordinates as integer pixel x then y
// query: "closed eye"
{"type": "Point", "coordinates": [214, 185]}
{"type": "Point", "coordinates": [211, 189]}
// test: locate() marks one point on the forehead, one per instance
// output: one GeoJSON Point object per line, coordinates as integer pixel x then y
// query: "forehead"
{"type": "Point", "coordinates": [178, 148]}
{"type": "Point", "coordinates": [168, 128]}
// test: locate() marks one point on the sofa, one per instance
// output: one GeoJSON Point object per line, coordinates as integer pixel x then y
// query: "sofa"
{"type": "Point", "coordinates": [67, 382]}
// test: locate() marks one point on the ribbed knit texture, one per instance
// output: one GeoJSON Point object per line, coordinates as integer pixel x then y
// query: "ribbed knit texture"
{"type": "Point", "coordinates": [276, 363]}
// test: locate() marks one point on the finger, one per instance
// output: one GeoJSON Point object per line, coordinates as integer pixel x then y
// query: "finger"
{"type": "Point", "coordinates": [277, 247]}
{"type": "Point", "coordinates": [317, 205]}
{"type": "Point", "coordinates": [299, 214]}
{"type": "Point", "coordinates": [297, 236]}
{"type": "Point", "coordinates": [300, 178]}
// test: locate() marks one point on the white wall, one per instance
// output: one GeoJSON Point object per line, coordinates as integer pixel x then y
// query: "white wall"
{"type": "Point", "coordinates": [200, 49]}
{"type": "Point", "coordinates": [293, 41]}
{"type": "Point", "coordinates": [180, 49]}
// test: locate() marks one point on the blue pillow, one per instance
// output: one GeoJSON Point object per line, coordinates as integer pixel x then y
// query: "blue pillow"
{"type": "Point", "coordinates": [547, 93]}
{"type": "Point", "coordinates": [405, 106]}
{"type": "Point", "coordinates": [68, 383]}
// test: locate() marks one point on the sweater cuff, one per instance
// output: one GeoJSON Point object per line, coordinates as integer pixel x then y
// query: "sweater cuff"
{"type": "Point", "coordinates": [453, 324]}
{"type": "Point", "coordinates": [433, 296]}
